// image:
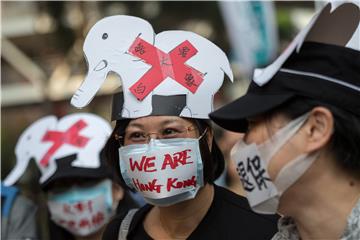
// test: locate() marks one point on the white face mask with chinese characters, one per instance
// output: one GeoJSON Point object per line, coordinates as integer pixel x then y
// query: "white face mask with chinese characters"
{"type": "Point", "coordinates": [252, 161]}
{"type": "Point", "coordinates": [82, 210]}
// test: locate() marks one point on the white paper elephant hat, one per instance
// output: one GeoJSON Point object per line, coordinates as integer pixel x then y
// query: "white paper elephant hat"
{"type": "Point", "coordinates": [178, 64]}
{"type": "Point", "coordinates": [322, 63]}
{"type": "Point", "coordinates": [68, 147]}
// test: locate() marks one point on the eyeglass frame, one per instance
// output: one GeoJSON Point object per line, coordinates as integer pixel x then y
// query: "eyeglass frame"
{"type": "Point", "coordinates": [121, 138]}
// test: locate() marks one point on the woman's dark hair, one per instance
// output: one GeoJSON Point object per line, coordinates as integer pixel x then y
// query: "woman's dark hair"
{"type": "Point", "coordinates": [110, 151]}
{"type": "Point", "coordinates": [344, 143]}
{"type": "Point", "coordinates": [213, 160]}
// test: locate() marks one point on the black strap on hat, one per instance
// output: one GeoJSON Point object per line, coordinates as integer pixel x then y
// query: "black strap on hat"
{"type": "Point", "coordinates": [66, 171]}
{"type": "Point", "coordinates": [161, 105]}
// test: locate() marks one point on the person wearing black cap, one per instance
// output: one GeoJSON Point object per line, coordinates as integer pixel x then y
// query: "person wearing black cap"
{"type": "Point", "coordinates": [301, 118]}
{"type": "Point", "coordinates": [82, 198]}
{"type": "Point", "coordinates": [162, 145]}
{"type": "Point", "coordinates": [80, 192]}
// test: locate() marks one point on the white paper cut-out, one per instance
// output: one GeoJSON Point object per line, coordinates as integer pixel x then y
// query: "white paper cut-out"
{"type": "Point", "coordinates": [318, 33]}
{"type": "Point", "coordinates": [49, 139]}
{"type": "Point", "coordinates": [129, 52]}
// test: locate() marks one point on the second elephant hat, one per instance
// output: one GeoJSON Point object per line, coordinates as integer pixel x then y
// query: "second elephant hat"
{"type": "Point", "coordinates": [322, 63]}
{"type": "Point", "coordinates": [66, 148]}
{"type": "Point", "coordinates": [170, 73]}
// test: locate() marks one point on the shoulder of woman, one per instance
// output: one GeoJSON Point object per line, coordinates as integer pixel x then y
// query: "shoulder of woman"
{"type": "Point", "coordinates": [113, 227]}
{"type": "Point", "coordinates": [236, 203]}
{"type": "Point", "coordinates": [231, 199]}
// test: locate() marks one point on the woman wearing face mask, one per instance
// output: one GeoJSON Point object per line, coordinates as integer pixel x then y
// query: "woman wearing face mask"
{"type": "Point", "coordinates": [81, 194]}
{"type": "Point", "coordinates": [301, 119]}
{"type": "Point", "coordinates": [81, 204]}
{"type": "Point", "coordinates": [186, 204]}
{"type": "Point", "coordinates": [162, 145]}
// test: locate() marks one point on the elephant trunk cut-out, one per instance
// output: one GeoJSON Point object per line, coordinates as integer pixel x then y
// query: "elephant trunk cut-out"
{"type": "Point", "coordinates": [105, 49]}
{"type": "Point", "coordinates": [28, 147]}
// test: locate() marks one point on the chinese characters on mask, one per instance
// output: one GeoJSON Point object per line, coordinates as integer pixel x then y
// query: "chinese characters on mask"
{"type": "Point", "coordinates": [252, 174]}
{"type": "Point", "coordinates": [90, 218]}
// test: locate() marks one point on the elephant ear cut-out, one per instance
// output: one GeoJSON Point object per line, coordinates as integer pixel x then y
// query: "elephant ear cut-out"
{"type": "Point", "coordinates": [335, 27]}
{"type": "Point", "coordinates": [336, 24]}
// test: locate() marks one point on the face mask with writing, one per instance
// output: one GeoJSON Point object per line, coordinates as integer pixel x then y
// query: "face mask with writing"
{"type": "Point", "coordinates": [252, 161]}
{"type": "Point", "coordinates": [82, 210]}
{"type": "Point", "coordinates": [165, 171]}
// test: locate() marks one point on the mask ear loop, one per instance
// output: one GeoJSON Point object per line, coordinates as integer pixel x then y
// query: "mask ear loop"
{"type": "Point", "coordinates": [269, 149]}
{"type": "Point", "coordinates": [119, 131]}
{"type": "Point", "coordinates": [206, 155]}
{"type": "Point", "coordinates": [203, 134]}
{"type": "Point", "coordinates": [298, 166]}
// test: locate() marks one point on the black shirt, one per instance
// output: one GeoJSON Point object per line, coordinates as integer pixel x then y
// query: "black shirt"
{"type": "Point", "coordinates": [229, 217]}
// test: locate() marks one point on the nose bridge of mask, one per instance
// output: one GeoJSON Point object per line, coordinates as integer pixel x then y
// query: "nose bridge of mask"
{"type": "Point", "coordinates": [272, 145]}
{"type": "Point", "coordinates": [170, 142]}
{"type": "Point", "coordinates": [154, 143]}
{"type": "Point", "coordinates": [76, 193]}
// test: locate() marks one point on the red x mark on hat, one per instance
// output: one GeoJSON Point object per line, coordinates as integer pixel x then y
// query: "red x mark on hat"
{"type": "Point", "coordinates": [70, 136]}
{"type": "Point", "coordinates": [164, 65]}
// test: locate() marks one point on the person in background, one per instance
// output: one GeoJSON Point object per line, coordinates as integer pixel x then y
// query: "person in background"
{"type": "Point", "coordinates": [18, 215]}
{"type": "Point", "coordinates": [301, 119]}
{"type": "Point", "coordinates": [81, 202]}
{"type": "Point", "coordinates": [81, 194]}
{"type": "Point", "coordinates": [226, 142]}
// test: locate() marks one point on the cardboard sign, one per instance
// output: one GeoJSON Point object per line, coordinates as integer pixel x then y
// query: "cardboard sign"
{"type": "Point", "coordinates": [162, 173]}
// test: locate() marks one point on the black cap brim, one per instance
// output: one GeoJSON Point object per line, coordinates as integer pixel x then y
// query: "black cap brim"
{"type": "Point", "coordinates": [65, 170]}
{"type": "Point", "coordinates": [233, 115]}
